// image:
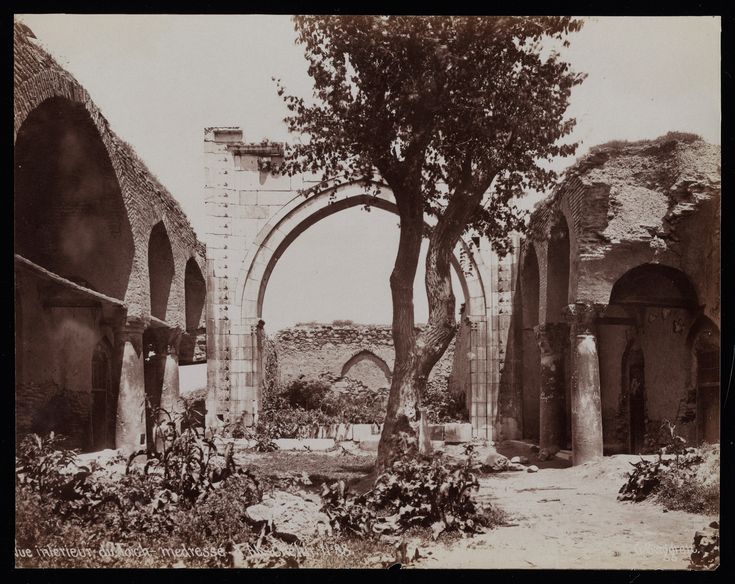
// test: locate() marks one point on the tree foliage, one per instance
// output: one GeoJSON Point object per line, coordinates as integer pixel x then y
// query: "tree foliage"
{"type": "Point", "coordinates": [456, 115]}
{"type": "Point", "coordinates": [450, 105]}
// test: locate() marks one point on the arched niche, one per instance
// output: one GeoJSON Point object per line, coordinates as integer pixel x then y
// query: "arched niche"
{"type": "Point", "coordinates": [654, 285]}
{"type": "Point", "coordinates": [367, 357]}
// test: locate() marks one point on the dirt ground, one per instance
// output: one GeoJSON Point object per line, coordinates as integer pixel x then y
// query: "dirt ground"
{"type": "Point", "coordinates": [570, 518]}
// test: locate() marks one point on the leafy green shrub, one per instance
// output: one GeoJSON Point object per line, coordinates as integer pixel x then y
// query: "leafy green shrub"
{"type": "Point", "coordinates": [412, 493]}
{"type": "Point", "coordinates": [442, 406]}
{"type": "Point", "coordinates": [143, 522]}
{"type": "Point", "coordinates": [362, 406]}
{"type": "Point", "coordinates": [38, 460]}
{"type": "Point", "coordinates": [189, 494]}
{"type": "Point", "coordinates": [687, 481]}
{"type": "Point", "coordinates": [305, 393]}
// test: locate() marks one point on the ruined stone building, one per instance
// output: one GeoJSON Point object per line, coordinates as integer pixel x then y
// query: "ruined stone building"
{"type": "Point", "coordinates": [349, 356]}
{"type": "Point", "coordinates": [617, 303]}
{"type": "Point", "coordinates": [599, 330]}
{"type": "Point", "coordinates": [602, 326]}
{"type": "Point", "coordinates": [109, 292]}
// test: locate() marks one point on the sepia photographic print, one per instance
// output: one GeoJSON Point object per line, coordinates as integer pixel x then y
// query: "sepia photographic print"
{"type": "Point", "coordinates": [367, 291]}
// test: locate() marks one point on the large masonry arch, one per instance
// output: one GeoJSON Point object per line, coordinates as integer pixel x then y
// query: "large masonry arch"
{"type": "Point", "coordinates": [253, 217]}
{"type": "Point", "coordinates": [297, 216]}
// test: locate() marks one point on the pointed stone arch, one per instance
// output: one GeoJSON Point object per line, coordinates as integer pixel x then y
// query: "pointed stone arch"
{"type": "Point", "coordinates": [255, 215]}
{"type": "Point", "coordinates": [367, 355]}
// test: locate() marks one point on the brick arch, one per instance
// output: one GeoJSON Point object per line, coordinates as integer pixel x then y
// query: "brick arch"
{"type": "Point", "coordinates": [366, 355]}
{"type": "Point", "coordinates": [52, 83]}
{"type": "Point", "coordinates": [161, 271]}
{"type": "Point", "coordinates": [145, 200]}
{"type": "Point", "coordinates": [299, 214]}
{"type": "Point", "coordinates": [70, 215]}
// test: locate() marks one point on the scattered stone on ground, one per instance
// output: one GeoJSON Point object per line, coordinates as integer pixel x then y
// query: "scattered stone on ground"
{"type": "Point", "coordinates": [289, 516]}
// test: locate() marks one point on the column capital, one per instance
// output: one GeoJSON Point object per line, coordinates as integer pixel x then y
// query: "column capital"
{"type": "Point", "coordinates": [166, 341]}
{"type": "Point", "coordinates": [582, 316]}
{"type": "Point", "coordinates": [551, 337]}
{"type": "Point", "coordinates": [131, 330]}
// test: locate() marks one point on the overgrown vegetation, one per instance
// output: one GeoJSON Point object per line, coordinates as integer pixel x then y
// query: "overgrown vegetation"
{"type": "Point", "coordinates": [186, 505]}
{"type": "Point", "coordinates": [680, 478]}
{"type": "Point", "coordinates": [412, 493]}
{"type": "Point", "coordinates": [123, 512]}
{"type": "Point", "coordinates": [298, 410]}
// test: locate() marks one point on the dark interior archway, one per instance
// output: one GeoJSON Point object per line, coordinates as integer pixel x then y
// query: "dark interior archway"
{"type": "Point", "coordinates": [654, 285]}
{"type": "Point", "coordinates": [704, 339]}
{"type": "Point", "coordinates": [69, 213]}
{"type": "Point", "coordinates": [531, 359]}
{"type": "Point", "coordinates": [70, 219]}
{"type": "Point", "coordinates": [160, 270]}
{"type": "Point", "coordinates": [103, 407]}
{"type": "Point", "coordinates": [195, 292]}
{"type": "Point", "coordinates": [633, 384]}
{"type": "Point", "coordinates": [660, 303]}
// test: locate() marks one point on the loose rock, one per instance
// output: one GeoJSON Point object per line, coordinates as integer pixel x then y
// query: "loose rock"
{"type": "Point", "coordinates": [291, 517]}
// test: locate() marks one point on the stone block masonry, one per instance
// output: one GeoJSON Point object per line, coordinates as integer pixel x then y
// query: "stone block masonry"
{"type": "Point", "coordinates": [254, 215]}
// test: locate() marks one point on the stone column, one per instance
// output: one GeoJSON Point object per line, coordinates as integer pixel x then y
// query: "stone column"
{"type": "Point", "coordinates": [586, 399]}
{"type": "Point", "coordinates": [129, 358]}
{"type": "Point", "coordinates": [551, 338]}
{"type": "Point", "coordinates": [164, 375]}
{"type": "Point", "coordinates": [170, 388]}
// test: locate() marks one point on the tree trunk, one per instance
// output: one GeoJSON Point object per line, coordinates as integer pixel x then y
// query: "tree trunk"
{"type": "Point", "coordinates": [416, 354]}
{"type": "Point", "coordinates": [403, 399]}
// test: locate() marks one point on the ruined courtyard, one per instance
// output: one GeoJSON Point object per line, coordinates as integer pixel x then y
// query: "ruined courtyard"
{"type": "Point", "coordinates": [592, 346]}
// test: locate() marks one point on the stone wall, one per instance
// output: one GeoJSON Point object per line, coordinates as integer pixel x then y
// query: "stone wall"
{"type": "Point", "coordinates": [363, 353]}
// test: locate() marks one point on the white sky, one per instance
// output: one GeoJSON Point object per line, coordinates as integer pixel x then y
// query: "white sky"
{"type": "Point", "coordinates": [160, 79]}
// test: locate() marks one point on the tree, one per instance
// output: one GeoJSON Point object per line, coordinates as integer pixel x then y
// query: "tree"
{"type": "Point", "coordinates": [456, 116]}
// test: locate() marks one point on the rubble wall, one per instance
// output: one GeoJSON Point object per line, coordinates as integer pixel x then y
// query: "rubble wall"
{"type": "Point", "coordinates": [318, 350]}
